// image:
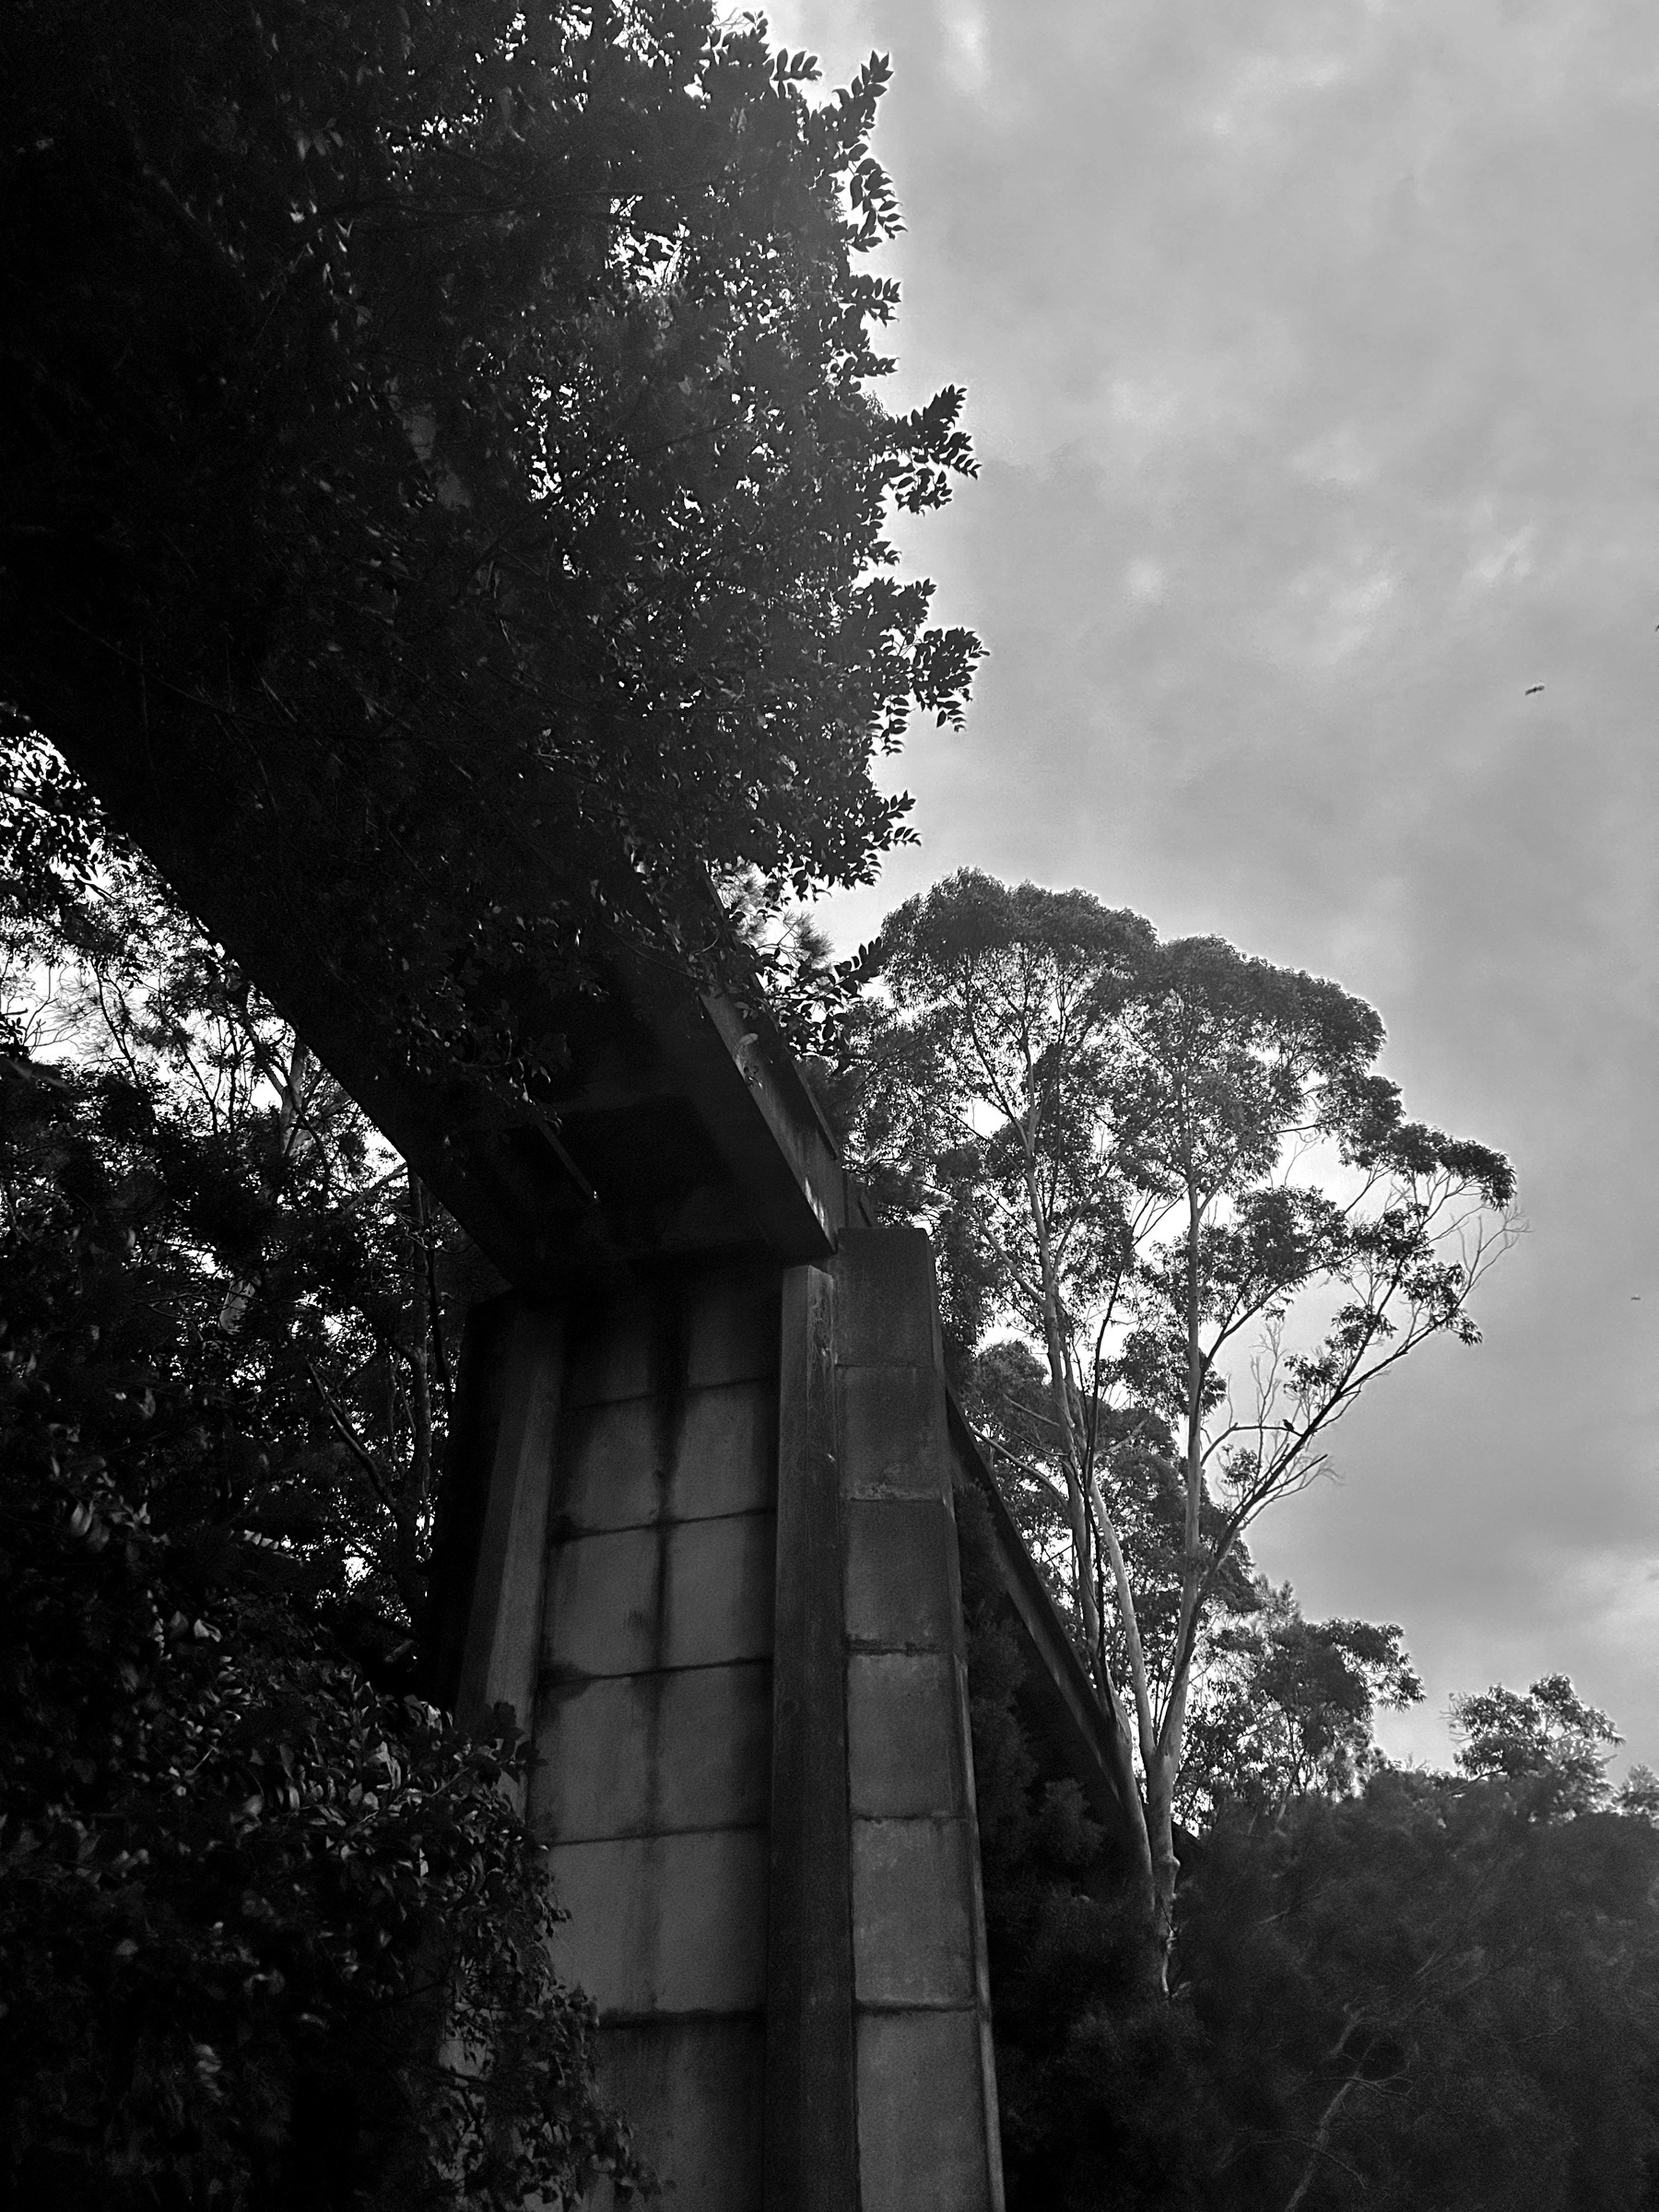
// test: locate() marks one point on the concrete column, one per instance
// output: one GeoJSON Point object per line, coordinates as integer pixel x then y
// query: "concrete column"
{"type": "Point", "coordinates": [928, 2136]}
{"type": "Point", "coordinates": [811, 2135]}
{"type": "Point", "coordinates": [651, 1781]}
{"type": "Point", "coordinates": [483, 1642]}
{"type": "Point", "coordinates": [747, 1685]}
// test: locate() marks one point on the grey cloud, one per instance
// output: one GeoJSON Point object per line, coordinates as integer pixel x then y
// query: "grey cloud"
{"type": "Point", "coordinates": [1312, 351]}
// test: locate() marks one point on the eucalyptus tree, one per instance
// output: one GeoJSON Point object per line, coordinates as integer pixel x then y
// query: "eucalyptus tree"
{"type": "Point", "coordinates": [1439, 1992]}
{"type": "Point", "coordinates": [1287, 1708]}
{"type": "Point", "coordinates": [1175, 1171]}
{"type": "Point", "coordinates": [1548, 1745]}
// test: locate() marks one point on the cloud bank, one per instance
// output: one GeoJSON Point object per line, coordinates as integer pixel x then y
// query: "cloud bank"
{"type": "Point", "coordinates": [1312, 355]}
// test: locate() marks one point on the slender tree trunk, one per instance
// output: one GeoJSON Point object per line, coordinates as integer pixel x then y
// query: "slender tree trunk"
{"type": "Point", "coordinates": [290, 1105]}
{"type": "Point", "coordinates": [410, 1499]}
{"type": "Point", "coordinates": [1072, 1454]}
{"type": "Point", "coordinates": [1165, 1870]}
{"type": "Point", "coordinates": [1162, 1759]}
{"type": "Point", "coordinates": [1321, 2142]}
{"type": "Point", "coordinates": [1065, 1413]}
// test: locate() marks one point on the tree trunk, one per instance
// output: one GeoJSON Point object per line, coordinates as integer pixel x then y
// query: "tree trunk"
{"type": "Point", "coordinates": [289, 1107]}
{"type": "Point", "coordinates": [1163, 1764]}
{"type": "Point", "coordinates": [1165, 1868]}
{"type": "Point", "coordinates": [1072, 1449]}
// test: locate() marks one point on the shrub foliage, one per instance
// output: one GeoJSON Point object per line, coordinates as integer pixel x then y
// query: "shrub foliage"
{"type": "Point", "coordinates": [269, 1934]}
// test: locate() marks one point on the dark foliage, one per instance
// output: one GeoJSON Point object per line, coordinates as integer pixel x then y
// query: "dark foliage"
{"type": "Point", "coordinates": [1424, 1995]}
{"type": "Point", "coordinates": [446, 498]}
{"type": "Point", "coordinates": [1286, 1706]}
{"type": "Point", "coordinates": [302, 1278]}
{"type": "Point", "coordinates": [1436, 1992]}
{"type": "Point", "coordinates": [267, 1935]}
{"type": "Point", "coordinates": [1101, 2079]}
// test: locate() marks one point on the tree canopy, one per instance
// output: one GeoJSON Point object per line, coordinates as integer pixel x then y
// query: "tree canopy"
{"type": "Point", "coordinates": [1286, 1707]}
{"type": "Point", "coordinates": [1178, 1172]}
{"type": "Point", "coordinates": [1550, 1746]}
{"type": "Point", "coordinates": [1423, 1995]}
{"type": "Point", "coordinates": [445, 469]}
{"type": "Point", "coordinates": [272, 1931]}
{"type": "Point", "coordinates": [1435, 1989]}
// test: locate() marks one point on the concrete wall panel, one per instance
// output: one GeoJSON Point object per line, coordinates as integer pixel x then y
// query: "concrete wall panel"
{"type": "Point", "coordinates": [624, 1463]}
{"type": "Point", "coordinates": [719, 1589]}
{"type": "Point", "coordinates": [693, 2090]}
{"type": "Point", "coordinates": [666, 1923]}
{"type": "Point", "coordinates": [890, 1434]}
{"type": "Point", "coordinates": [604, 1603]}
{"type": "Point", "coordinates": [912, 1935]}
{"type": "Point", "coordinates": [637, 1754]}
{"type": "Point", "coordinates": [609, 1335]}
{"type": "Point", "coordinates": [889, 1316]}
{"type": "Point", "coordinates": [732, 1327]}
{"type": "Point", "coordinates": [904, 1758]}
{"type": "Point", "coordinates": [921, 2126]}
{"type": "Point", "coordinates": [900, 1591]}
{"type": "Point", "coordinates": [682, 1593]}
{"type": "Point", "coordinates": [686, 1330]}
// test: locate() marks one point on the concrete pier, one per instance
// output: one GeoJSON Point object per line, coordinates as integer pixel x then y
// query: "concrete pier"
{"type": "Point", "coordinates": [713, 1567]}
{"type": "Point", "coordinates": [697, 1528]}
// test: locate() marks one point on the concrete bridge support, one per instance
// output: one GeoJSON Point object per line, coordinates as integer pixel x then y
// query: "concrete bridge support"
{"type": "Point", "coordinates": [713, 1565]}
{"type": "Point", "coordinates": [699, 1531]}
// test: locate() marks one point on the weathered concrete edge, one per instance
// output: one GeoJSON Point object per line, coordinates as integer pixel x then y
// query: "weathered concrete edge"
{"type": "Point", "coordinates": [463, 1499]}
{"type": "Point", "coordinates": [779, 1156]}
{"type": "Point", "coordinates": [810, 2144]}
{"type": "Point", "coordinates": [483, 1633]}
{"type": "Point", "coordinates": [1058, 1678]}
{"type": "Point", "coordinates": [917, 2145]}
{"type": "Point", "coordinates": [502, 1658]}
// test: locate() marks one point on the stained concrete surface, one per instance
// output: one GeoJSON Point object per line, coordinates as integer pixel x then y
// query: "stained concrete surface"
{"type": "Point", "coordinates": [921, 2124]}
{"type": "Point", "coordinates": [913, 1931]}
{"type": "Point", "coordinates": [639, 1754]}
{"type": "Point", "coordinates": [899, 1761]}
{"type": "Point", "coordinates": [619, 1470]}
{"type": "Point", "coordinates": [666, 1924]}
{"type": "Point", "coordinates": [654, 1738]}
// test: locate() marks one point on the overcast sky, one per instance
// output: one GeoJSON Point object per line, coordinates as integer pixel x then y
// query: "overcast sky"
{"type": "Point", "coordinates": [1311, 354]}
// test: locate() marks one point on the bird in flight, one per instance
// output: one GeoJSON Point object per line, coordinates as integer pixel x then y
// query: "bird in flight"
{"type": "Point", "coordinates": [1532, 690]}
